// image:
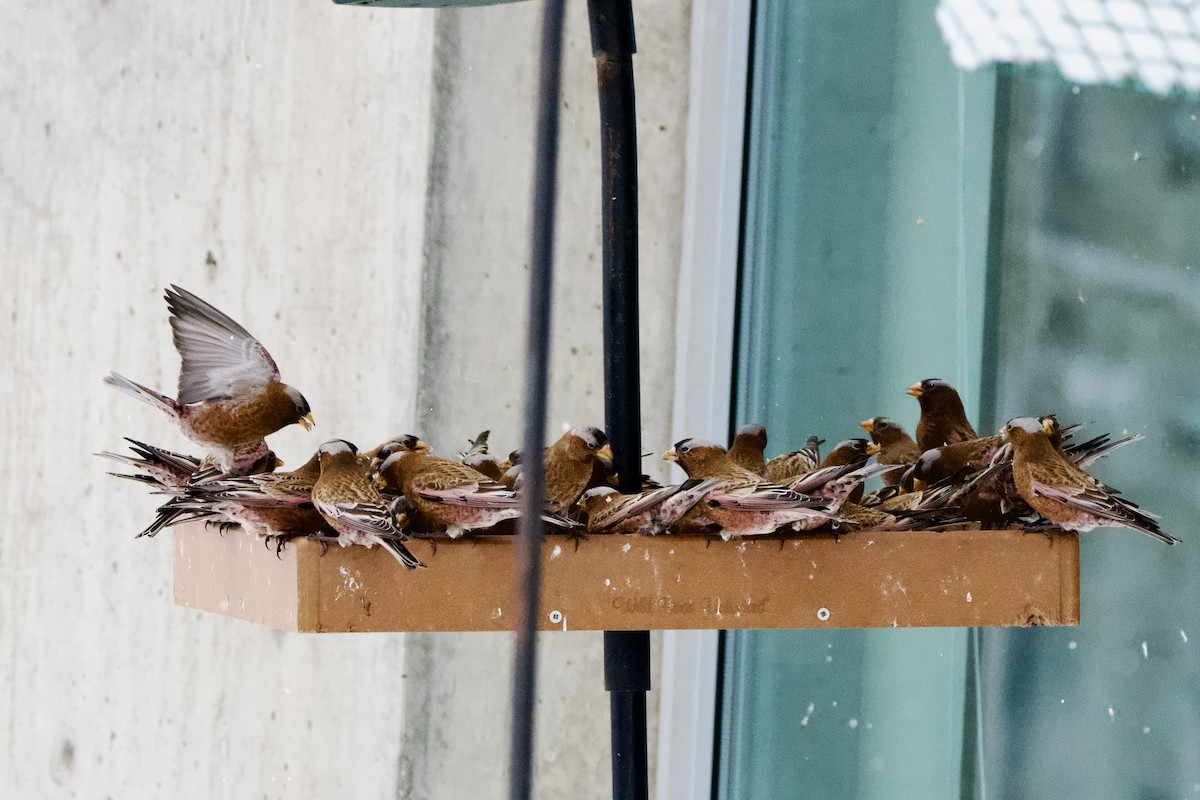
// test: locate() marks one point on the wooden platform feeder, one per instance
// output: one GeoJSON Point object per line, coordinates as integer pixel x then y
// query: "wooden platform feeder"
{"type": "Point", "coordinates": [868, 579]}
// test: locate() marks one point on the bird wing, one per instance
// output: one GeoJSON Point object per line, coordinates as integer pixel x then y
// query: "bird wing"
{"type": "Point", "coordinates": [1093, 500]}
{"type": "Point", "coordinates": [368, 517]}
{"type": "Point", "coordinates": [632, 505]}
{"type": "Point", "coordinates": [220, 357]}
{"type": "Point", "coordinates": [681, 499]}
{"type": "Point", "coordinates": [483, 494]}
{"type": "Point", "coordinates": [1105, 507]}
{"type": "Point", "coordinates": [479, 446]}
{"type": "Point", "coordinates": [765, 497]}
{"type": "Point", "coordinates": [1091, 451]}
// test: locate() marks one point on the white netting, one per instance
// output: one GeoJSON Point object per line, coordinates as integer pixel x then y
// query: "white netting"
{"type": "Point", "coordinates": [1155, 42]}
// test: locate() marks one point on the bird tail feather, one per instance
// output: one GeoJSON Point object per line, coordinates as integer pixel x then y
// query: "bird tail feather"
{"type": "Point", "coordinates": [149, 396]}
{"type": "Point", "coordinates": [400, 553]}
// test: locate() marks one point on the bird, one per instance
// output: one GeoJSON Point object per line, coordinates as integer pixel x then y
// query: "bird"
{"type": "Point", "coordinates": [939, 463]}
{"type": "Point", "coordinates": [452, 495]}
{"type": "Point", "coordinates": [278, 523]}
{"type": "Point", "coordinates": [477, 457]}
{"type": "Point", "coordinates": [651, 513]}
{"type": "Point", "coordinates": [895, 446]}
{"type": "Point", "coordinates": [569, 464]}
{"type": "Point", "coordinates": [787, 467]}
{"type": "Point", "coordinates": [943, 419]}
{"type": "Point", "coordinates": [230, 396]}
{"type": "Point", "coordinates": [743, 503]}
{"type": "Point", "coordinates": [849, 451]}
{"type": "Point", "coordinates": [1062, 492]}
{"type": "Point", "coordinates": [269, 488]}
{"type": "Point", "coordinates": [353, 507]}
{"type": "Point", "coordinates": [486, 464]}
{"type": "Point", "coordinates": [748, 447]}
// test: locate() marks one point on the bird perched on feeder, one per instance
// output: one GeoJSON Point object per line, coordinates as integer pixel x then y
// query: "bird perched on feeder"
{"type": "Point", "coordinates": [943, 419]}
{"type": "Point", "coordinates": [570, 463]}
{"type": "Point", "coordinates": [269, 488]}
{"type": "Point", "coordinates": [849, 451]}
{"type": "Point", "coordinates": [230, 396]}
{"type": "Point", "coordinates": [451, 495]}
{"type": "Point", "coordinates": [939, 463]}
{"type": "Point", "coordinates": [477, 457]}
{"type": "Point", "coordinates": [485, 464]}
{"type": "Point", "coordinates": [352, 506]}
{"type": "Point", "coordinates": [652, 512]}
{"type": "Point", "coordinates": [1062, 492]}
{"type": "Point", "coordinates": [280, 523]}
{"type": "Point", "coordinates": [748, 448]}
{"type": "Point", "coordinates": [785, 468]}
{"type": "Point", "coordinates": [744, 504]}
{"type": "Point", "coordinates": [895, 446]}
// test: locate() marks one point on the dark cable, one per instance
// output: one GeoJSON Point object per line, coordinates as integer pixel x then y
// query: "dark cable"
{"type": "Point", "coordinates": [537, 355]}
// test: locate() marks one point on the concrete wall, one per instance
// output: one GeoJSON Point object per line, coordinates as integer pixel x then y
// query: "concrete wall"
{"type": "Point", "coordinates": [353, 186]}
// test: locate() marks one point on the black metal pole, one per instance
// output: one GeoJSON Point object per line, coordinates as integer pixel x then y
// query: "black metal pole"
{"type": "Point", "coordinates": [626, 653]}
{"type": "Point", "coordinates": [537, 355]}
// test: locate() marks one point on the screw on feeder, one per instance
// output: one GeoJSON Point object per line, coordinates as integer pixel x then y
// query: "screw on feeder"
{"type": "Point", "coordinates": [823, 613]}
{"type": "Point", "coordinates": [556, 616]}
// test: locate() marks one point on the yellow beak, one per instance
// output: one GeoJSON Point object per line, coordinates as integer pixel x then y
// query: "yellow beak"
{"type": "Point", "coordinates": [872, 449]}
{"type": "Point", "coordinates": [307, 422]}
{"type": "Point", "coordinates": [867, 425]}
{"type": "Point", "coordinates": [605, 456]}
{"type": "Point", "coordinates": [670, 455]}
{"type": "Point", "coordinates": [420, 447]}
{"type": "Point", "coordinates": [915, 390]}
{"type": "Point", "coordinates": [1048, 426]}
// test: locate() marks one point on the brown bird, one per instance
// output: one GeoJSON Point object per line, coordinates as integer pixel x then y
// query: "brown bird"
{"type": "Point", "coordinates": [650, 513]}
{"type": "Point", "coordinates": [748, 447]}
{"type": "Point", "coordinates": [449, 494]}
{"type": "Point", "coordinates": [850, 451]}
{"type": "Point", "coordinates": [353, 507]}
{"type": "Point", "coordinates": [569, 465]}
{"type": "Point", "coordinates": [485, 464]}
{"type": "Point", "coordinates": [230, 396]}
{"type": "Point", "coordinates": [280, 524]}
{"type": "Point", "coordinates": [744, 504]}
{"type": "Point", "coordinates": [267, 489]}
{"type": "Point", "coordinates": [943, 419]}
{"type": "Point", "coordinates": [1062, 492]}
{"type": "Point", "coordinates": [895, 446]}
{"type": "Point", "coordinates": [969, 456]}
{"type": "Point", "coordinates": [478, 457]}
{"type": "Point", "coordinates": [783, 469]}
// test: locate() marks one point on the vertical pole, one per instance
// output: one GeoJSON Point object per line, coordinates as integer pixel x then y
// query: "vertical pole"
{"type": "Point", "coordinates": [626, 653]}
{"type": "Point", "coordinates": [537, 345]}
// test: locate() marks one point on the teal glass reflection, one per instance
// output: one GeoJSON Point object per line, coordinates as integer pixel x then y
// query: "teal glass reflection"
{"type": "Point", "coordinates": [1099, 319]}
{"type": "Point", "coordinates": [864, 266]}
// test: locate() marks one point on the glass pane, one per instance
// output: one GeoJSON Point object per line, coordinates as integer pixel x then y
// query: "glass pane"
{"type": "Point", "coordinates": [1099, 312]}
{"type": "Point", "coordinates": [864, 272]}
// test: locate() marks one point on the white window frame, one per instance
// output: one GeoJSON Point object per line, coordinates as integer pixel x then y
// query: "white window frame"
{"type": "Point", "coordinates": [704, 335]}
